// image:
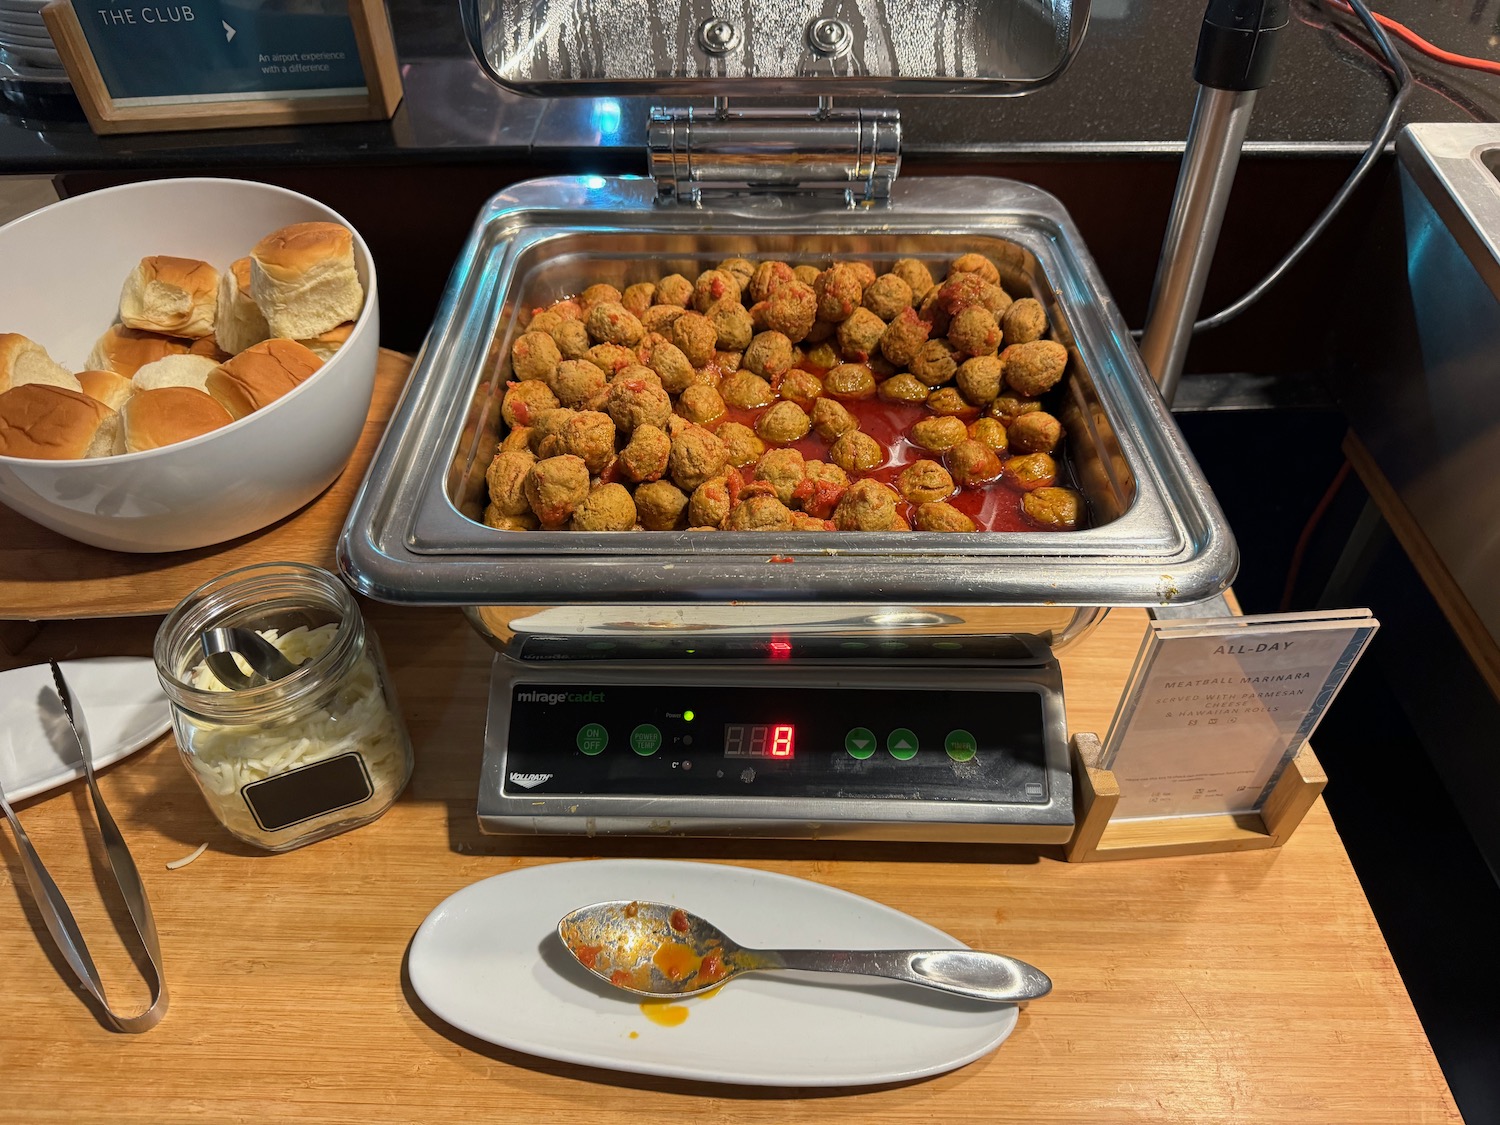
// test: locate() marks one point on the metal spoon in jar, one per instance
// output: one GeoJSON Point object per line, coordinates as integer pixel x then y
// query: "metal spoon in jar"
{"type": "Point", "coordinates": [265, 660]}
{"type": "Point", "coordinates": [654, 949]}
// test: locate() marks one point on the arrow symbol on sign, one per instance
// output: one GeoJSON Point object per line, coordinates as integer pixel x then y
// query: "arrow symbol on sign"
{"type": "Point", "coordinates": [229, 32]}
{"type": "Point", "coordinates": [861, 743]}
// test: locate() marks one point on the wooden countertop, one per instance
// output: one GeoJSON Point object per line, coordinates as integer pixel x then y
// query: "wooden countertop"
{"type": "Point", "coordinates": [1245, 987]}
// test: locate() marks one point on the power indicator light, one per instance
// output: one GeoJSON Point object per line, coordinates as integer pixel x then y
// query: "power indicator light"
{"type": "Point", "coordinates": [687, 716]}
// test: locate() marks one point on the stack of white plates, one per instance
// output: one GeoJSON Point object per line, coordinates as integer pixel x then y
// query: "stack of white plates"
{"type": "Point", "coordinates": [26, 48]}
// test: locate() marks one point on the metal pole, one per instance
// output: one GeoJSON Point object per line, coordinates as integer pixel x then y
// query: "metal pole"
{"type": "Point", "coordinates": [1220, 118]}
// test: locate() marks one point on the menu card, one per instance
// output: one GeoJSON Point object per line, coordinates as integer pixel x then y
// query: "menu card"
{"type": "Point", "coordinates": [1215, 708]}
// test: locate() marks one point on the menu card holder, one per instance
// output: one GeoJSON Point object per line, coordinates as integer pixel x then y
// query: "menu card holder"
{"type": "Point", "coordinates": [139, 66]}
{"type": "Point", "coordinates": [1208, 749]}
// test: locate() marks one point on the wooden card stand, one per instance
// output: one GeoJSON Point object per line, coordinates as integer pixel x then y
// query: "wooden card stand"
{"type": "Point", "coordinates": [1095, 795]}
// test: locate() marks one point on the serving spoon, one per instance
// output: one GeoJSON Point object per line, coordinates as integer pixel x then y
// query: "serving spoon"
{"type": "Point", "coordinates": [655, 949]}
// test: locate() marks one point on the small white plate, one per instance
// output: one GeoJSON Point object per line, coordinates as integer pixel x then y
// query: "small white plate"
{"type": "Point", "coordinates": [26, 37]}
{"type": "Point", "coordinates": [488, 961]}
{"type": "Point", "coordinates": [45, 57]}
{"type": "Point", "coordinates": [17, 21]}
{"type": "Point", "coordinates": [120, 697]}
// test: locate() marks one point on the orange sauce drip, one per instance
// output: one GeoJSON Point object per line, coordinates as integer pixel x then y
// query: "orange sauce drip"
{"type": "Point", "coordinates": [676, 961]}
{"type": "Point", "coordinates": [664, 1012]}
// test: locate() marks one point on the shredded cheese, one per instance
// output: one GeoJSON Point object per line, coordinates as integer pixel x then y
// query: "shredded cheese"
{"type": "Point", "coordinates": [187, 859]}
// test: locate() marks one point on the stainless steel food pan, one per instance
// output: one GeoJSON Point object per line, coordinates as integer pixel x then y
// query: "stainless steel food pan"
{"type": "Point", "coordinates": [1157, 535]}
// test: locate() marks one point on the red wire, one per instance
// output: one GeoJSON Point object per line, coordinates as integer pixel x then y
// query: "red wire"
{"type": "Point", "coordinates": [1412, 39]}
{"type": "Point", "coordinates": [1295, 567]}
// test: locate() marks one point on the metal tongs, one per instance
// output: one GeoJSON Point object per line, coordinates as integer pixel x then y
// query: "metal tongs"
{"type": "Point", "coordinates": [54, 907]}
{"type": "Point", "coordinates": [221, 645]}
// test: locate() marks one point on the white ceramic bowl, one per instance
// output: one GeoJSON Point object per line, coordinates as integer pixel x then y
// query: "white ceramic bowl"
{"type": "Point", "coordinates": [65, 265]}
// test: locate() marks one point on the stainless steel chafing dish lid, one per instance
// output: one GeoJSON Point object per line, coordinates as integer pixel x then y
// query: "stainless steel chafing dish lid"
{"type": "Point", "coordinates": [1160, 536]}
{"type": "Point", "coordinates": [774, 47]}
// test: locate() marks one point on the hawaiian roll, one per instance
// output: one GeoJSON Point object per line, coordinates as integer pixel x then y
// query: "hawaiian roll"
{"type": "Point", "coordinates": [304, 281]}
{"type": "Point", "coordinates": [240, 322]}
{"type": "Point", "coordinates": [260, 375]}
{"type": "Point", "coordinates": [125, 351]}
{"type": "Point", "coordinates": [329, 342]}
{"type": "Point", "coordinates": [24, 361]}
{"type": "Point", "coordinates": [167, 415]}
{"type": "Point", "coordinates": [177, 296]}
{"type": "Point", "coordinates": [209, 346]}
{"type": "Point", "coordinates": [108, 387]}
{"type": "Point", "coordinates": [175, 371]}
{"type": "Point", "coordinates": [51, 423]}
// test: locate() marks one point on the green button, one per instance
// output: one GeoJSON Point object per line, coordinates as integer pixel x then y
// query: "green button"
{"type": "Point", "coordinates": [592, 739]}
{"type": "Point", "coordinates": [961, 745]}
{"type": "Point", "coordinates": [860, 742]}
{"type": "Point", "coordinates": [902, 744]}
{"type": "Point", "coordinates": [645, 740]}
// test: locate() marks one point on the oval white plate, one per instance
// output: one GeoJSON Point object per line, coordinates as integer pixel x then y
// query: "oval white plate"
{"type": "Point", "coordinates": [489, 962]}
{"type": "Point", "coordinates": [120, 697]}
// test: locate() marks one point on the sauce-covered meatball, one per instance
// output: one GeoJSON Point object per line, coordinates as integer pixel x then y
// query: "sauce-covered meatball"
{"type": "Point", "coordinates": [611, 358]}
{"type": "Point", "coordinates": [938, 434]}
{"type": "Point", "coordinates": [859, 334]}
{"type": "Point", "coordinates": [1008, 406]}
{"type": "Point", "coordinates": [1024, 321]}
{"type": "Point", "coordinates": [769, 354]}
{"type": "Point", "coordinates": [697, 454]}
{"type": "Point", "coordinates": [850, 381]}
{"type": "Point", "coordinates": [857, 452]}
{"type": "Point", "coordinates": [800, 386]}
{"type": "Point", "coordinates": [974, 331]}
{"type": "Point", "coordinates": [972, 463]}
{"type": "Point", "coordinates": [661, 506]}
{"type": "Point", "coordinates": [746, 390]}
{"type": "Point", "coordinates": [759, 513]}
{"type": "Point", "coordinates": [903, 388]}
{"type": "Point", "coordinates": [991, 432]}
{"type": "Point", "coordinates": [1035, 368]}
{"type": "Point", "coordinates": [916, 275]}
{"type": "Point", "coordinates": [1058, 509]}
{"type": "Point", "coordinates": [902, 340]}
{"type": "Point", "coordinates": [1037, 432]}
{"type": "Point", "coordinates": [783, 424]}
{"type": "Point", "coordinates": [976, 264]}
{"type": "Point", "coordinates": [674, 289]}
{"type": "Point", "coordinates": [822, 488]}
{"type": "Point", "coordinates": [949, 400]}
{"type": "Point", "coordinates": [784, 470]}
{"type": "Point", "coordinates": [868, 505]}
{"type": "Point", "coordinates": [696, 336]}
{"type": "Point", "coordinates": [714, 286]}
{"type": "Point", "coordinates": [741, 269]}
{"type": "Point", "coordinates": [506, 478]}
{"type": "Point", "coordinates": [598, 295]}
{"type": "Point", "coordinates": [832, 420]}
{"type": "Point", "coordinates": [768, 277]}
{"type": "Point", "coordinates": [644, 457]}
{"type": "Point", "coordinates": [523, 402]}
{"type": "Point", "coordinates": [1033, 470]}
{"type": "Point", "coordinates": [732, 323]}
{"type": "Point", "coordinates": [742, 444]}
{"type": "Point", "coordinates": [839, 291]}
{"type": "Point", "coordinates": [924, 481]}
{"type": "Point", "coordinates": [710, 503]}
{"type": "Point", "coordinates": [572, 339]}
{"type": "Point", "coordinates": [791, 309]}
{"type": "Point", "coordinates": [887, 295]}
{"type": "Point", "coordinates": [590, 436]}
{"type": "Point", "coordinates": [701, 404]}
{"type": "Point", "coordinates": [672, 367]}
{"type": "Point", "coordinates": [534, 355]}
{"type": "Point", "coordinates": [978, 379]}
{"type": "Point", "coordinates": [610, 507]}
{"type": "Point", "coordinates": [659, 318]}
{"type": "Point", "coordinates": [577, 383]}
{"type": "Point", "coordinates": [639, 297]}
{"type": "Point", "coordinates": [936, 363]}
{"type": "Point", "coordinates": [555, 486]}
{"type": "Point", "coordinates": [610, 322]}
{"type": "Point", "coordinates": [941, 516]}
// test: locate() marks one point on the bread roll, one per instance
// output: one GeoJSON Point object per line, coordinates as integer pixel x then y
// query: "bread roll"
{"type": "Point", "coordinates": [52, 423]}
{"type": "Point", "coordinates": [177, 296]}
{"type": "Point", "coordinates": [304, 281]}
{"type": "Point", "coordinates": [329, 342]}
{"type": "Point", "coordinates": [166, 415]}
{"type": "Point", "coordinates": [106, 387]}
{"type": "Point", "coordinates": [240, 323]}
{"type": "Point", "coordinates": [125, 351]}
{"type": "Point", "coordinates": [24, 361]}
{"type": "Point", "coordinates": [175, 371]}
{"type": "Point", "coordinates": [209, 346]}
{"type": "Point", "coordinates": [260, 375]}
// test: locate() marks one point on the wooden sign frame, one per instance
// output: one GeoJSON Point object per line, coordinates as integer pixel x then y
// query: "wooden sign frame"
{"type": "Point", "coordinates": [377, 56]}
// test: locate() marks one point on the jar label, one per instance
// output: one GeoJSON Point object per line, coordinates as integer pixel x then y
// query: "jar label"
{"type": "Point", "coordinates": [310, 791]}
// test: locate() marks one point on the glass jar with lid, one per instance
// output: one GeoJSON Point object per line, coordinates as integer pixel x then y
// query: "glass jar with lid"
{"type": "Point", "coordinates": [285, 761]}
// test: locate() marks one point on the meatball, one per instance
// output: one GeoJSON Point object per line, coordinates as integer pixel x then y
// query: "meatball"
{"type": "Point", "coordinates": [783, 424]}
{"type": "Point", "coordinates": [916, 275]}
{"type": "Point", "coordinates": [634, 402]}
{"type": "Point", "coordinates": [710, 503]}
{"type": "Point", "coordinates": [800, 386]}
{"type": "Point", "coordinates": [741, 269]}
{"type": "Point", "coordinates": [611, 358]}
{"type": "Point", "coordinates": [526, 521]}
{"type": "Point", "coordinates": [949, 400]}
{"type": "Point", "coordinates": [742, 444]}
{"type": "Point", "coordinates": [545, 428]}
{"type": "Point", "coordinates": [784, 470]}
{"type": "Point", "coordinates": [636, 372]}
{"type": "Point", "coordinates": [672, 367]}
{"type": "Point", "coordinates": [820, 331]}
{"type": "Point", "coordinates": [1008, 407]}
{"type": "Point", "coordinates": [545, 320]}
{"type": "Point", "coordinates": [696, 335]}
{"type": "Point", "coordinates": [644, 457]}
{"type": "Point", "coordinates": [863, 270]}
{"type": "Point", "coordinates": [961, 291]}
{"type": "Point", "coordinates": [590, 436]}
{"type": "Point", "coordinates": [903, 388]}
{"type": "Point", "coordinates": [868, 505]}
{"type": "Point", "coordinates": [700, 404]}
{"type": "Point", "coordinates": [924, 481]}
{"type": "Point", "coordinates": [857, 452]}
{"type": "Point", "coordinates": [824, 356]}
{"type": "Point", "coordinates": [839, 291]}
{"type": "Point", "coordinates": [990, 432]}
{"type": "Point", "coordinates": [938, 516]}
{"type": "Point", "coordinates": [849, 381]}
{"type": "Point", "coordinates": [976, 264]}
{"type": "Point", "coordinates": [674, 289]}
{"type": "Point", "coordinates": [936, 363]}
{"type": "Point", "coordinates": [973, 463]}
{"type": "Point", "coordinates": [572, 339]}
{"type": "Point", "coordinates": [608, 508]}
{"type": "Point", "coordinates": [728, 362]}
{"type": "Point", "coordinates": [887, 295]}
{"type": "Point", "coordinates": [759, 513]}
{"type": "Point", "coordinates": [822, 489]}
{"type": "Point", "coordinates": [732, 323]}
{"type": "Point", "coordinates": [808, 275]}
{"type": "Point", "coordinates": [518, 440]}
{"type": "Point", "coordinates": [639, 297]}
{"type": "Point", "coordinates": [1034, 368]}
{"type": "Point", "coordinates": [1024, 321]}
{"type": "Point", "coordinates": [610, 322]}
{"type": "Point", "coordinates": [903, 338]}
{"type": "Point", "coordinates": [938, 434]}
{"type": "Point", "coordinates": [506, 478]}
{"type": "Point", "coordinates": [568, 310]}
{"type": "Point", "coordinates": [832, 420]}
{"type": "Point", "coordinates": [577, 382]}
{"type": "Point", "coordinates": [997, 300]}
{"type": "Point", "coordinates": [769, 354]}
{"type": "Point", "coordinates": [659, 318]}
{"type": "Point", "coordinates": [1037, 432]}
{"type": "Point", "coordinates": [801, 521]}
{"type": "Point", "coordinates": [660, 506]}
{"type": "Point", "coordinates": [1057, 508]}
{"type": "Point", "coordinates": [978, 379]}
{"type": "Point", "coordinates": [974, 331]}
{"type": "Point", "coordinates": [523, 402]}
{"type": "Point", "coordinates": [696, 456]}
{"type": "Point", "coordinates": [534, 355]}
{"type": "Point", "coordinates": [768, 277]}
{"type": "Point", "coordinates": [859, 334]}
{"type": "Point", "coordinates": [746, 390]}
{"type": "Point", "coordinates": [555, 486]}
{"type": "Point", "coordinates": [791, 309]}
{"type": "Point", "coordinates": [1032, 471]}
{"type": "Point", "coordinates": [714, 286]}
{"type": "Point", "coordinates": [598, 295]}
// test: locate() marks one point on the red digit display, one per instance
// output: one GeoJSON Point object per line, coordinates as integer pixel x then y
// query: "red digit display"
{"type": "Point", "coordinates": [758, 740]}
{"type": "Point", "coordinates": [781, 741]}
